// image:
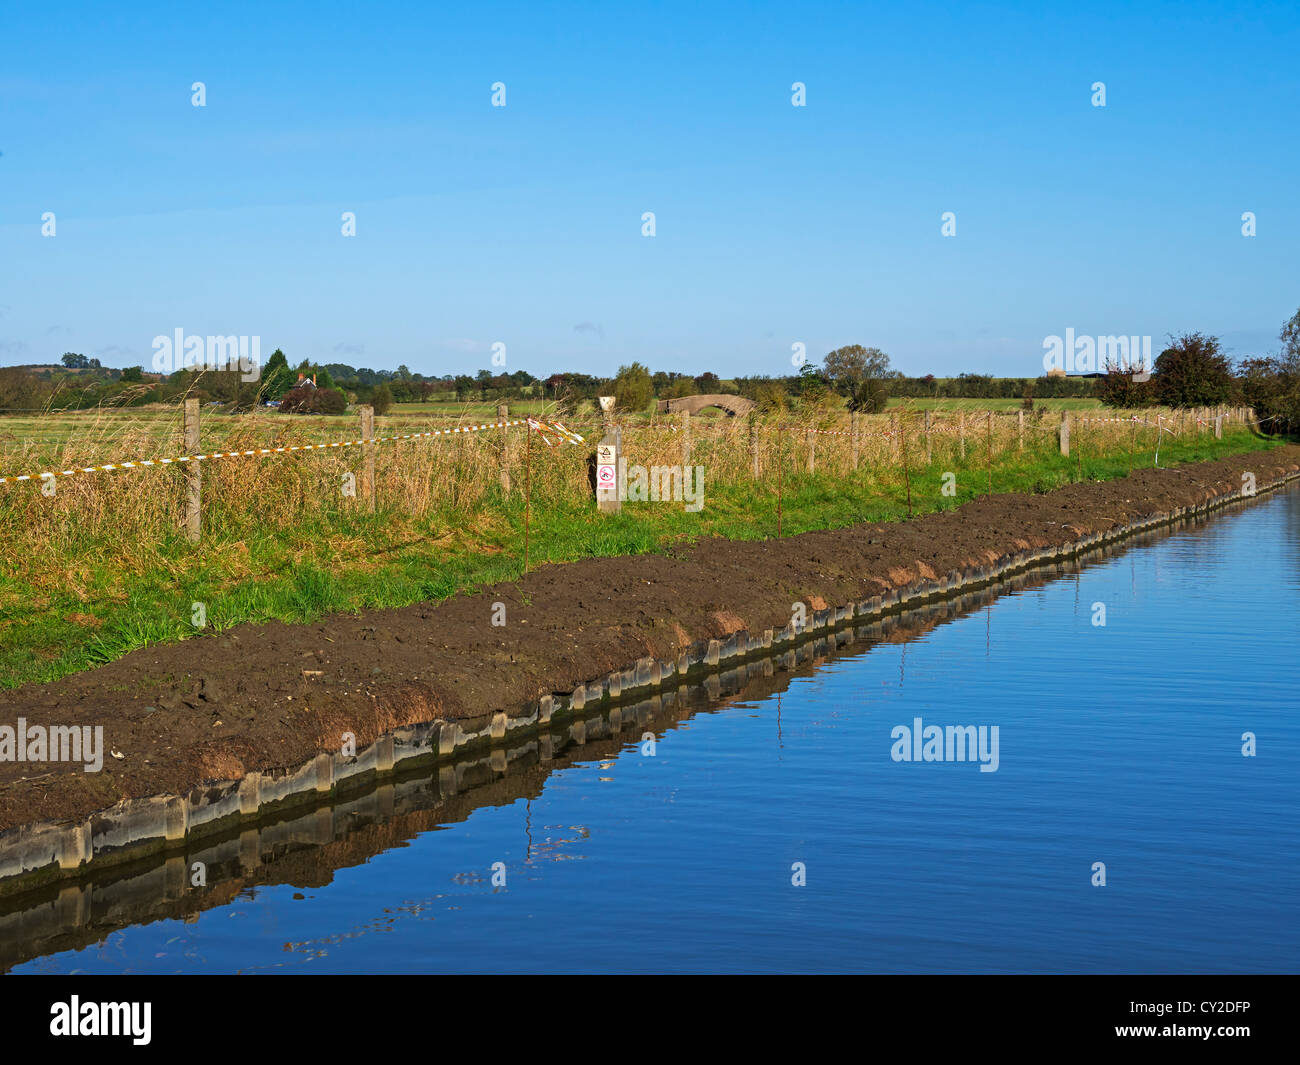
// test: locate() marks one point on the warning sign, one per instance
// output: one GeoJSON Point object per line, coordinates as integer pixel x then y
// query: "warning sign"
{"type": "Point", "coordinates": [605, 476]}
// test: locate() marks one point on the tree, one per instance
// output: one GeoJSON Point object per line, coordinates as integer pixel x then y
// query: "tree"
{"type": "Point", "coordinates": [73, 361]}
{"type": "Point", "coordinates": [1272, 385]}
{"type": "Point", "coordinates": [1290, 337]}
{"type": "Point", "coordinates": [20, 390]}
{"type": "Point", "coordinates": [812, 385]}
{"type": "Point", "coordinates": [632, 388]}
{"type": "Point", "coordinates": [1192, 372]}
{"type": "Point", "coordinates": [381, 399]}
{"type": "Point", "coordinates": [846, 367]}
{"type": "Point", "coordinates": [277, 378]}
{"type": "Point", "coordinates": [133, 374]}
{"type": "Point", "coordinates": [869, 396]}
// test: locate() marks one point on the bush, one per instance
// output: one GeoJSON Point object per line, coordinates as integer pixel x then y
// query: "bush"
{"type": "Point", "coordinates": [1119, 389]}
{"type": "Point", "coordinates": [770, 396]}
{"type": "Point", "coordinates": [382, 399]}
{"type": "Point", "coordinates": [869, 397]}
{"type": "Point", "coordinates": [1192, 372]}
{"type": "Point", "coordinates": [307, 400]}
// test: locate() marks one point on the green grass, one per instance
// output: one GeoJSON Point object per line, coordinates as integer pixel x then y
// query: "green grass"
{"type": "Point", "coordinates": [346, 560]}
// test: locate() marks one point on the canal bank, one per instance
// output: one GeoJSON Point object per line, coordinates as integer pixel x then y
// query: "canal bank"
{"type": "Point", "coordinates": [416, 686]}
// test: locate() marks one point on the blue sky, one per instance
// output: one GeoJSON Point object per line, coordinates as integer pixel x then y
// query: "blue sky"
{"type": "Point", "coordinates": [522, 225]}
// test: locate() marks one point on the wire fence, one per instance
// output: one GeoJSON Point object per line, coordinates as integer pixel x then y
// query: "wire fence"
{"type": "Point", "coordinates": [111, 480]}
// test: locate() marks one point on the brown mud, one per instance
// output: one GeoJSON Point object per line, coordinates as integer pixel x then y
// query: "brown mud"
{"type": "Point", "coordinates": [265, 697]}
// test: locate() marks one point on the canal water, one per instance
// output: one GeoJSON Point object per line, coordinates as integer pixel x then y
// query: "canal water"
{"type": "Point", "coordinates": [780, 829]}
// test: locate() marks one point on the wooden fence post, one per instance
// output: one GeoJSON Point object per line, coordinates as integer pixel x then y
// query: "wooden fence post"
{"type": "Point", "coordinates": [1020, 429]}
{"type": "Point", "coordinates": [853, 433]}
{"type": "Point", "coordinates": [961, 431]}
{"type": "Point", "coordinates": [780, 474]}
{"type": "Point", "coordinates": [528, 487]}
{"type": "Point", "coordinates": [193, 475]}
{"type": "Point", "coordinates": [929, 454]}
{"type": "Point", "coordinates": [503, 416]}
{"type": "Point", "coordinates": [812, 450]}
{"type": "Point", "coordinates": [367, 413]}
{"type": "Point", "coordinates": [989, 421]}
{"type": "Point", "coordinates": [1065, 434]}
{"type": "Point", "coordinates": [753, 442]}
{"type": "Point", "coordinates": [907, 477]}
{"type": "Point", "coordinates": [686, 439]}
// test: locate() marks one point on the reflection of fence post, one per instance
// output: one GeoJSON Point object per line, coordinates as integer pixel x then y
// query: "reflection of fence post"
{"type": "Point", "coordinates": [928, 452]}
{"type": "Point", "coordinates": [367, 413]}
{"type": "Point", "coordinates": [193, 475]}
{"type": "Point", "coordinates": [753, 442]}
{"type": "Point", "coordinates": [853, 432]}
{"type": "Point", "coordinates": [503, 416]}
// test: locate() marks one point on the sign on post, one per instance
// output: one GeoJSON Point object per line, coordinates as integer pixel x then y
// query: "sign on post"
{"type": "Point", "coordinates": [607, 501]}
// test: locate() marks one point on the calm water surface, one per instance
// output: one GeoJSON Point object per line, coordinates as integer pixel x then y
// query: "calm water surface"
{"type": "Point", "coordinates": [1119, 744]}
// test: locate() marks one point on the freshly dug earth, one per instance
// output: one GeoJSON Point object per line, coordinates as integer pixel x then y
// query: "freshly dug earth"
{"type": "Point", "coordinates": [261, 697]}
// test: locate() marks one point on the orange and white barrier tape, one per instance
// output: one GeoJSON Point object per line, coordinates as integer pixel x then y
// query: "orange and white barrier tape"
{"type": "Point", "coordinates": [545, 430]}
{"type": "Point", "coordinates": [261, 452]}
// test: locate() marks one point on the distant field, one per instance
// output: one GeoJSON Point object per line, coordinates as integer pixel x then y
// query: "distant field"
{"type": "Point", "coordinates": [994, 404]}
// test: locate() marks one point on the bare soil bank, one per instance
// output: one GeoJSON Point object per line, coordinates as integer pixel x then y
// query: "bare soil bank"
{"type": "Point", "coordinates": [263, 697]}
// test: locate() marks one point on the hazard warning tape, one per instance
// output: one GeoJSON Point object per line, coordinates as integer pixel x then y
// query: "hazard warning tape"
{"type": "Point", "coordinates": [262, 452]}
{"type": "Point", "coordinates": [556, 429]}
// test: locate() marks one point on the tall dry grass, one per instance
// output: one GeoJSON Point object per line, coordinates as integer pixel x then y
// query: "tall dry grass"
{"type": "Point", "coordinates": [132, 519]}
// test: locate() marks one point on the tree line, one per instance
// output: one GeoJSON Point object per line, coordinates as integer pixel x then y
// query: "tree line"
{"type": "Point", "coordinates": [1191, 371]}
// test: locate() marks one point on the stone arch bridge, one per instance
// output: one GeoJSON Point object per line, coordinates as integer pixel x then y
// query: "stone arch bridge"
{"type": "Point", "coordinates": [733, 405]}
